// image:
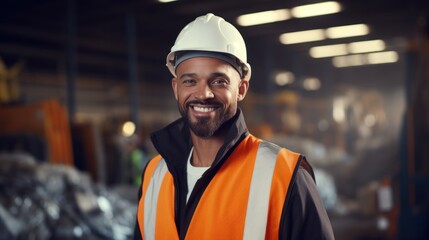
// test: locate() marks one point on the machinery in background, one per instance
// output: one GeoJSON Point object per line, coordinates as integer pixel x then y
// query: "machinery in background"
{"type": "Point", "coordinates": [413, 178]}
{"type": "Point", "coordinates": [41, 127]}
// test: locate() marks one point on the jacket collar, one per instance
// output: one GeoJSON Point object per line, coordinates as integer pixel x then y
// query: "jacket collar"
{"type": "Point", "coordinates": [174, 143]}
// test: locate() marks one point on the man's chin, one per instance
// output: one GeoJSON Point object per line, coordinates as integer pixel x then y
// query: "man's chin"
{"type": "Point", "coordinates": [203, 127]}
{"type": "Point", "coordinates": [202, 132]}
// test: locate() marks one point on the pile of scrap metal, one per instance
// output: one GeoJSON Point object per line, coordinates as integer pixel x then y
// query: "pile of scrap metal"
{"type": "Point", "coordinates": [47, 201]}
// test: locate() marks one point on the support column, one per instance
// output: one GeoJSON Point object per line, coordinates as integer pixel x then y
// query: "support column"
{"type": "Point", "coordinates": [71, 59]}
{"type": "Point", "coordinates": [133, 70]}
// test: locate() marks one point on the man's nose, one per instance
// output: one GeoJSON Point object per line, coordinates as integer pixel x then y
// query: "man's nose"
{"type": "Point", "coordinates": [204, 92]}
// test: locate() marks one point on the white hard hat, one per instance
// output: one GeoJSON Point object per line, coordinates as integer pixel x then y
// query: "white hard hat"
{"type": "Point", "coordinates": [214, 36]}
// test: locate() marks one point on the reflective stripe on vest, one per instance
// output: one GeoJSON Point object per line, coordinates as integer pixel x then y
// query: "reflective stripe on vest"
{"type": "Point", "coordinates": [244, 200]}
{"type": "Point", "coordinates": [151, 200]}
{"type": "Point", "coordinates": [257, 206]}
{"type": "Point", "coordinates": [155, 213]}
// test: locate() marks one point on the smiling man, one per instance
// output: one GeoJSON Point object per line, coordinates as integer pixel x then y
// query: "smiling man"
{"type": "Point", "coordinates": [212, 178]}
{"type": "Point", "coordinates": [207, 90]}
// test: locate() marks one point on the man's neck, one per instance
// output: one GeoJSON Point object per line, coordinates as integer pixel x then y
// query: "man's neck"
{"type": "Point", "coordinates": [205, 149]}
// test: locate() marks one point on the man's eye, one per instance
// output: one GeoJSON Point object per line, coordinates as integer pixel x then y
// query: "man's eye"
{"type": "Point", "coordinates": [188, 82]}
{"type": "Point", "coordinates": [219, 81]}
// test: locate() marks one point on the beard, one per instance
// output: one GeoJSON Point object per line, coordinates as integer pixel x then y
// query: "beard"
{"type": "Point", "coordinates": [205, 127]}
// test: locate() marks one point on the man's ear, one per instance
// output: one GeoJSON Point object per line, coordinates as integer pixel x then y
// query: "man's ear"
{"type": "Point", "coordinates": [242, 89]}
{"type": "Point", "coordinates": [174, 86]}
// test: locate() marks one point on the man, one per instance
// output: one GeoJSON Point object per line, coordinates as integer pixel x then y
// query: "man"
{"type": "Point", "coordinates": [212, 179]}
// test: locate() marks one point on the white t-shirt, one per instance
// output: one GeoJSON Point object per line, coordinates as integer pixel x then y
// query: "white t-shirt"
{"type": "Point", "coordinates": [194, 173]}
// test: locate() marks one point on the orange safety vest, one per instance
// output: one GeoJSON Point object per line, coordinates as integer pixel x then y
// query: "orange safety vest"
{"type": "Point", "coordinates": [244, 200]}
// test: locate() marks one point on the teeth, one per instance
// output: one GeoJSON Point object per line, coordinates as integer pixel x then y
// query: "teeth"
{"type": "Point", "coordinates": [203, 109]}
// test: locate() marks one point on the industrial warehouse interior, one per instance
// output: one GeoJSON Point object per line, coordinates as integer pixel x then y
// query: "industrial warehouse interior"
{"type": "Point", "coordinates": [83, 84]}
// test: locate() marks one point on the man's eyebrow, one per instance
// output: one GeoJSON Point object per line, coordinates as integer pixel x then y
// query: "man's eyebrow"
{"type": "Point", "coordinates": [212, 75]}
{"type": "Point", "coordinates": [218, 74]}
{"type": "Point", "coordinates": [188, 75]}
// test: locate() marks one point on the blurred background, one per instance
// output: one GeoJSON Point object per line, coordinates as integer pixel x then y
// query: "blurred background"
{"type": "Point", "coordinates": [83, 83]}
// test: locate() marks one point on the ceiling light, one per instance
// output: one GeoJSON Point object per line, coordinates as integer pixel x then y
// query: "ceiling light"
{"type": "Point", "coordinates": [339, 112]}
{"type": "Point", "coordinates": [166, 1]}
{"type": "Point", "coordinates": [328, 50]}
{"type": "Point", "coordinates": [340, 62]}
{"type": "Point", "coordinates": [348, 61]}
{"type": "Point", "coordinates": [366, 46]}
{"type": "Point", "coordinates": [316, 9]}
{"type": "Point", "coordinates": [302, 36]}
{"type": "Point", "coordinates": [344, 49]}
{"type": "Point", "coordinates": [382, 57]}
{"type": "Point", "coordinates": [333, 32]}
{"type": "Point", "coordinates": [347, 31]}
{"type": "Point", "coordinates": [356, 60]}
{"type": "Point", "coordinates": [128, 128]}
{"type": "Point", "coordinates": [311, 84]}
{"type": "Point", "coordinates": [364, 59]}
{"type": "Point", "coordinates": [270, 16]}
{"type": "Point", "coordinates": [284, 78]}
{"type": "Point", "coordinates": [263, 17]}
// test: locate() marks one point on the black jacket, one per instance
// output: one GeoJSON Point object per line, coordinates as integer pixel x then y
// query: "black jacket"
{"type": "Point", "coordinates": [304, 215]}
